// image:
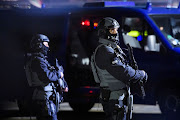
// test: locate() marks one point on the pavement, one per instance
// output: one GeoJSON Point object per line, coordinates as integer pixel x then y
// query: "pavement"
{"type": "Point", "coordinates": [139, 112]}
{"type": "Point", "coordinates": [137, 108]}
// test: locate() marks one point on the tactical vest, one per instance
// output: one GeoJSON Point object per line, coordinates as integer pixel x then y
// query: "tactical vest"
{"type": "Point", "coordinates": [104, 77]}
{"type": "Point", "coordinates": [40, 88]}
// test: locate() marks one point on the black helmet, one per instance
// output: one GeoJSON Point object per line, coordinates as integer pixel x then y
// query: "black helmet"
{"type": "Point", "coordinates": [37, 43]}
{"type": "Point", "coordinates": [103, 29]}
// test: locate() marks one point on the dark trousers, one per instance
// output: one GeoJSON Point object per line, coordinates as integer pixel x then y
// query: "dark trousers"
{"type": "Point", "coordinates": [45, 110]}
{"type": "Point", "coordinates": [111, 112]}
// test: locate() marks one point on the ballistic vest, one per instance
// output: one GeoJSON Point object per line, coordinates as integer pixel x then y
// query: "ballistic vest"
{"type": "Point", "coordinates": [40, 88]}
{"type": "Point", "coordinates": [103, 77]}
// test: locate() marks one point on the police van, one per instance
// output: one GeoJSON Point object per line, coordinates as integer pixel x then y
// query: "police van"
{"type": "Point", "coordinates": [153, 32]}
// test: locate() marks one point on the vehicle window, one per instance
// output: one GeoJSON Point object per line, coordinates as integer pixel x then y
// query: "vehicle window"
{"type": "Point", "coordinates": [139, 34]}
{"type": "Point", "coordinates": [170, 27]}
{"type": "Point", "coordinates": [176, 27]}
{"type": "Point", "coordinates": [132, 29]}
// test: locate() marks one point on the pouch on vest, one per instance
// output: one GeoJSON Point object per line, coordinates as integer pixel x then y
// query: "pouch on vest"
{"type": "Point", "coordinates": [105, 94]}
{"type": "Point", "coordinates": [94, 70]}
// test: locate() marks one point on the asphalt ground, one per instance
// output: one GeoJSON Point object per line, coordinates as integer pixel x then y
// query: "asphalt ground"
{"type": "Point", "coordinates": [140, 112]}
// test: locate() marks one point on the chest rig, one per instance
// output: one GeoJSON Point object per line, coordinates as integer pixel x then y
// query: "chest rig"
{"type": "Point", "coordinates": [119, 53]}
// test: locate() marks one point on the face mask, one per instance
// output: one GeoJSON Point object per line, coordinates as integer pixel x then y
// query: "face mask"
{"type": "Point", "coordinates": [45, 50]}
{"type": "Point", "coordinates": [115, 37]}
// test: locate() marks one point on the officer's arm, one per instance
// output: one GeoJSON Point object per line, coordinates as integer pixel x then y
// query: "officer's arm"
{"type": "Point", "coordinates": [116, 68]}
{"type": "Point", "coordinates": [44, 72]}
{"type": "Point", "coordinates": [129, 73]}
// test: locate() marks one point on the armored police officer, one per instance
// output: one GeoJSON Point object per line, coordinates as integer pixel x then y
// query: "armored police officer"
{"type": "Point", "coordinates": [111, 70]}
{"type": "Point", "coordinates": [45, 80]}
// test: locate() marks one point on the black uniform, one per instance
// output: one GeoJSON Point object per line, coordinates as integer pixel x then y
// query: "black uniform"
{"type": "Point", "coordinates": [113, 73]}
{"type": "Point", "coordinates": [43, 79]}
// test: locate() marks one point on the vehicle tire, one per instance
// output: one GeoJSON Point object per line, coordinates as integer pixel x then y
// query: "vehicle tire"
{"type": "Point", "coordinates": [81, 107]}
{"type": "Point", "coordinates": [169, 104]}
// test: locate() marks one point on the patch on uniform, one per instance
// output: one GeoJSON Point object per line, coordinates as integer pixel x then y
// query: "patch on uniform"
{"type": "Point", "coordinates": [114, 62]}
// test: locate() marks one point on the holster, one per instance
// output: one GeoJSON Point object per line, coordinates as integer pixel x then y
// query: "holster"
{"type": "Point", "coordinates": [105, 94]}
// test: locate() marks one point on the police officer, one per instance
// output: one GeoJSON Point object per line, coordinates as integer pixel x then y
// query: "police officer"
{"type": "Point", "coordinates": [43, 79]}
{"type": "Point", "coordinates": [112, 71]}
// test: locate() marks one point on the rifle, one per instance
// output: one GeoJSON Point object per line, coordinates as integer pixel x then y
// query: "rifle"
{"type": "Point", "coordinates": [134, 65]}
{"type": "Point", "coordinates": [61, 84]}
{"type": "Point", "coordinates": [119, 53]}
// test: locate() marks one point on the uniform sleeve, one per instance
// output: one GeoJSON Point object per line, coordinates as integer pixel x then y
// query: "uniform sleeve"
{"type": "Point", "coordinates": [45, 72]}
{"type": "Point", "coordinates": [107, 60]}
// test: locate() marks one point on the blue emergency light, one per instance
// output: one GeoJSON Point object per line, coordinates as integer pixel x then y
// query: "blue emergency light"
{"type": "Point", "coordinates": [118, 3]}
{"type": "Point", "coordinates": [109, 4]}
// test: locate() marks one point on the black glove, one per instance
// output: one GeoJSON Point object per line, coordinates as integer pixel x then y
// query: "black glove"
{"type": "Point", "coordinates": [144, 80]}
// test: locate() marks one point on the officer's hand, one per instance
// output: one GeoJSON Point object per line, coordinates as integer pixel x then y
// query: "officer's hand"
{"type": "Point", "coordinates": [66, 89]}
{"type": "Point", "coordinates": [144, 80]}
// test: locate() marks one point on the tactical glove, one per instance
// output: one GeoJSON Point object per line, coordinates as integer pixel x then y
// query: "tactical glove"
{"type": "Point", "coordinates": [144, 80]}
{"type": "Point", "coordinates": [139, 76]}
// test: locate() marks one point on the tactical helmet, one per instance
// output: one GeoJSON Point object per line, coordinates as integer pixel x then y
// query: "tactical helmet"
{"type": "Point", "coordinates": [105, 25]}
{"type": "Point", "coordinates": [37, 43]}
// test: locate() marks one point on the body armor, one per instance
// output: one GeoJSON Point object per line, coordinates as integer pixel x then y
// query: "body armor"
{"type": "Point", "coordinates": [34, 82]}
{"type": "Point", "coordinates": [105, 79]}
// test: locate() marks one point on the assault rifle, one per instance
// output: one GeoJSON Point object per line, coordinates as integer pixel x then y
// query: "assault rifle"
{"type": "Point", "coordinates": [119, 53]}
{"type": "Point", "coordinates": [134, 65]}
{"type": "Point", "coordinates": [60, 86]}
